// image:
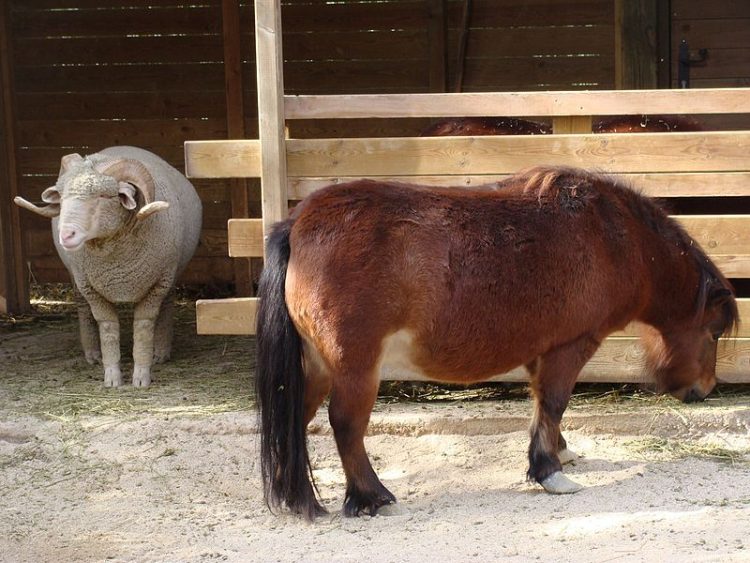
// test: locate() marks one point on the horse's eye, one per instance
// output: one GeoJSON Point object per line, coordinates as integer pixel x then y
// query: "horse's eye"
{"type": "Point", "coordinates": [717, 335]}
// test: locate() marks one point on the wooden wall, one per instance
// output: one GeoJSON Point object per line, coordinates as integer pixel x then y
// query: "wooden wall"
{"type": "Point", "coordinates": [93, 73]}
{"type": "Point", "coordinates": [722, 27]}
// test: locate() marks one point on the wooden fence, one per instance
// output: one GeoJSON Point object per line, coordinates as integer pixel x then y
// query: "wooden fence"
{"type": "Point", "coordinates": [680, 165]}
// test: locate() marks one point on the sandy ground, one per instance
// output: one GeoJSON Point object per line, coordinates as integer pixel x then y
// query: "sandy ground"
{"type": "Point", "coordinates": [171, 474]}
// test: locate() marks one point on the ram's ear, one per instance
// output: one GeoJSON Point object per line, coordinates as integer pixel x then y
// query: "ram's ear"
{"type": "Point", "coordinates": [127, 192]}
{"type": "Point", "coordinates": [51, 195]}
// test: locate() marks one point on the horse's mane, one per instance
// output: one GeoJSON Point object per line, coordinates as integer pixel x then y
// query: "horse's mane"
{"type": "Point", "coordinates": [572, 187]}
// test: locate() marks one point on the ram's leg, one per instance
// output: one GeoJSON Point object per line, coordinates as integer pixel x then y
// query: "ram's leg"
{"type": "Point", "coordinates": [88, 329]}
{"type": "Point", "coordinates": [105, 314]}
{"type": "Point", "coordinates": [144, 323]}
{"type": "Point", "coordinates": [164, 330]}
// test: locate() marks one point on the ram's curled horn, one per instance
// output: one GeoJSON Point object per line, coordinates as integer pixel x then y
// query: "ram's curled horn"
{"type": "Point", "coordinates": [135, 173]}
{"type": "Point", "coordinates": [51, 210]}
{"type": "Point", "coordinates": [68, 160]}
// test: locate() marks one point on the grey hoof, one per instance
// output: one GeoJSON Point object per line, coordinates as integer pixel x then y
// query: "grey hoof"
{"type": "Point", "coordinates": [566, 456]}
{"type": "Point", "coordinates": [559, 484]}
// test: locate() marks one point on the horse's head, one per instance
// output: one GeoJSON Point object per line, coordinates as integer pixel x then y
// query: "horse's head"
{"type": "Point", "coordinates": [682, 357]}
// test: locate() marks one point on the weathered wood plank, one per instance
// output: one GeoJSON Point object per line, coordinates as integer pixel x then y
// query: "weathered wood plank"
{"type": "Point", "coordinates": [723, 237]}
{"type": "Point", "coordinates": [633, 153]}
{"type": "Point", "coordinates": [725, 184]}
{"type": "Point", "coordinates": [639, 153]}
{"type": "Point", "coordinates": [521, 104]}
{"type": "Point", "coordinates": [620, 359]}
{"type": "Point", "coordinates": [245, 238]}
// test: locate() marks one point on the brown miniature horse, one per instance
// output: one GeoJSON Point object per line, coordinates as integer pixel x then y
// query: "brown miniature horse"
{"type": "Point", "coordinates": [459, 285]}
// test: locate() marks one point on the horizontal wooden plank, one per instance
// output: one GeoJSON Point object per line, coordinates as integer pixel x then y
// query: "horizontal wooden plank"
{"type": "Point", "coordinates": [245, 238]}
{"type": "Point", "coordinates": [699, 9]}
{"type": "Point", "coordinates": [520, 104]}
{"type": "Point", "coordinates": [617, 153]}
{"type": "Point", "coordinates": [620, 359]}
{"type": "Point", "coordinates": [226, 316]}
{"type": "Point", "coordinates": [723, 237]}
{"type": "Point", "coordinates": [711, 34]}
{"type": "Point", "coordinates": [725, 184]}
{"type": "Point", "coordinates": [223, 159]}
{"type": "Point", "coordinates": [634, 153]}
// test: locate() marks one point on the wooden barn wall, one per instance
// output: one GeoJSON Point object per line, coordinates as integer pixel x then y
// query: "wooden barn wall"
{"type": "Point", "coordinates": [722, 27]}
{"type": "Point", "coordinates": [95, 73]}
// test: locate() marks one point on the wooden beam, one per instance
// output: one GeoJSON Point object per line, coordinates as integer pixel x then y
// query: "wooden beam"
{"type": "Point", "coordinates": [237, 316]}
{"type": "Point", "coordinates": [633, 153]}
{"type": "Point", "coordinates": [223, 159]}
{"type": "Point", "coordinates": [568, 124]}
{"type": "Point", "coordinates": [724, 184]}
{"type": "Point", "coordinates": [230, 13]}
{"type": "Point", "coordinates": [723, 237]}
{"type": "Point", "coordinates": [520, 104]}
{"type": "Point", "coordinates": [620, 358]}
{"type": "Point", "coordinates": [245, 237]}
{"type": "Point", "coordinates": [270, 72]}
{"type": "Point", "coordinates": [14, 289]}
{"type": "Point", "coordinates": [636, 54]}
{"type": "Point", "coordinates": [226, 316]}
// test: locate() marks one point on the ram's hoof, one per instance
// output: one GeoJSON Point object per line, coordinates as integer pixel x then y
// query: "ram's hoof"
{"type": "Point", "coordinates": [162, 356]}
{"type": "Point", "coordinates": [93, 357]}
{"type": "Point", "coordinates": [567, 456]}
{"type": "Point", "coordinates": [141, 376]}
{"type": "Point", "coordinates": [112, 377]}
{"type": "Point", "coordinates": [559, 484]}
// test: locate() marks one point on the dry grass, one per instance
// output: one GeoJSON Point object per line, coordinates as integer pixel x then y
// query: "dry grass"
{"type": "Point", "coordinates": [655, 447]}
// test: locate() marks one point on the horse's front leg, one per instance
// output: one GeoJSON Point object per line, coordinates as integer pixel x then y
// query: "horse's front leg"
{"type": "Point", "coordinates": [353, 395]}
{"type": "Point", "coordinates": [552, 384]}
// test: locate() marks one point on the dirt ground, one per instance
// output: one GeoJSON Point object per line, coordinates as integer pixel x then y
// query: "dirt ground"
{"type": "Point", "coordinates": [170, 473]}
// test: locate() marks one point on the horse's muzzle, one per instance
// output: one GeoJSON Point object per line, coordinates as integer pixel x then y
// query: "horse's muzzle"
{"type": "Point", "coordinates": [693, 396]}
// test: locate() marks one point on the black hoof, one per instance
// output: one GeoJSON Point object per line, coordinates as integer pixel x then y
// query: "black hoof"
{"type": "Point", "coordinates": [357, 504]}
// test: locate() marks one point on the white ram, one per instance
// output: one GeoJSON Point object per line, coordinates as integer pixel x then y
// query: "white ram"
{"type": "Point", "coordinates": [125, 224]}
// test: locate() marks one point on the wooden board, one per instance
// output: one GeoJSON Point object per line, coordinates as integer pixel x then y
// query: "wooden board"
{"type": "Point", "coordinates": [724, 238]}
{"type": "Point", "coordinates": [520, 104]}
{"type": "Point", "coordinates": [729, 184]}
{"type": "Point", "coordinates": [620, 359]}
{"type": "Point", "coordinates": [632, 153]}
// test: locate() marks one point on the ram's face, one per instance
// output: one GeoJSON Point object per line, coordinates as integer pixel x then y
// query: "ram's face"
{"type": "Point", "coordinates": [92, 205]}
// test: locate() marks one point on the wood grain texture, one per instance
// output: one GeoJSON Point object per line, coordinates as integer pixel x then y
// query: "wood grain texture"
{"type": "Point", "coordinates": [521, 104]}
{"type": "Point", "coordinates": [620, 359]}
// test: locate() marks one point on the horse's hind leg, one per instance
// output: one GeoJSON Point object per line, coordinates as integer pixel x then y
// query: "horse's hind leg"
{"type": "Point", "coordinates": [551, 384]}
{"type": "Point", "coordinates": [352, 398]}
{"type": "Point", "coordinates": [563, 453]}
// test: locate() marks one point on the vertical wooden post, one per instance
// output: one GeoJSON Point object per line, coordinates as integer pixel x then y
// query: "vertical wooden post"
{"type": "Point", "coordinates": [14, 290]}
{"type": "Point", "coordinates": [438, 49]}
{"type": "Point", "coordinates": [571, 124]}
{"type": "Point", "coordinates": [230, 12]}
{"type": "Point", "coordinates": [270, 69]}
{"type": "Point", "coordinates": [636, 55]}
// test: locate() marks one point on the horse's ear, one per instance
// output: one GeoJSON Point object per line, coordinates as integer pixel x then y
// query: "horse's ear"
{"type": "Point", "coordinates": [720, 295]}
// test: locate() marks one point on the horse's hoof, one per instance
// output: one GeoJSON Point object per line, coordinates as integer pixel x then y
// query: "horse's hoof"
{"type": "Point", "coordinates": [566, 456]}
{"type": "Point", "coordinates": [394, 509]}
{"type": "Point", "coordinates": [559, 484]}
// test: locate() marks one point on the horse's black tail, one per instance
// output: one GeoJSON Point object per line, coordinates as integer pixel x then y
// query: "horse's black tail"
{"type": "Point", "coordinates": [280, 389]}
